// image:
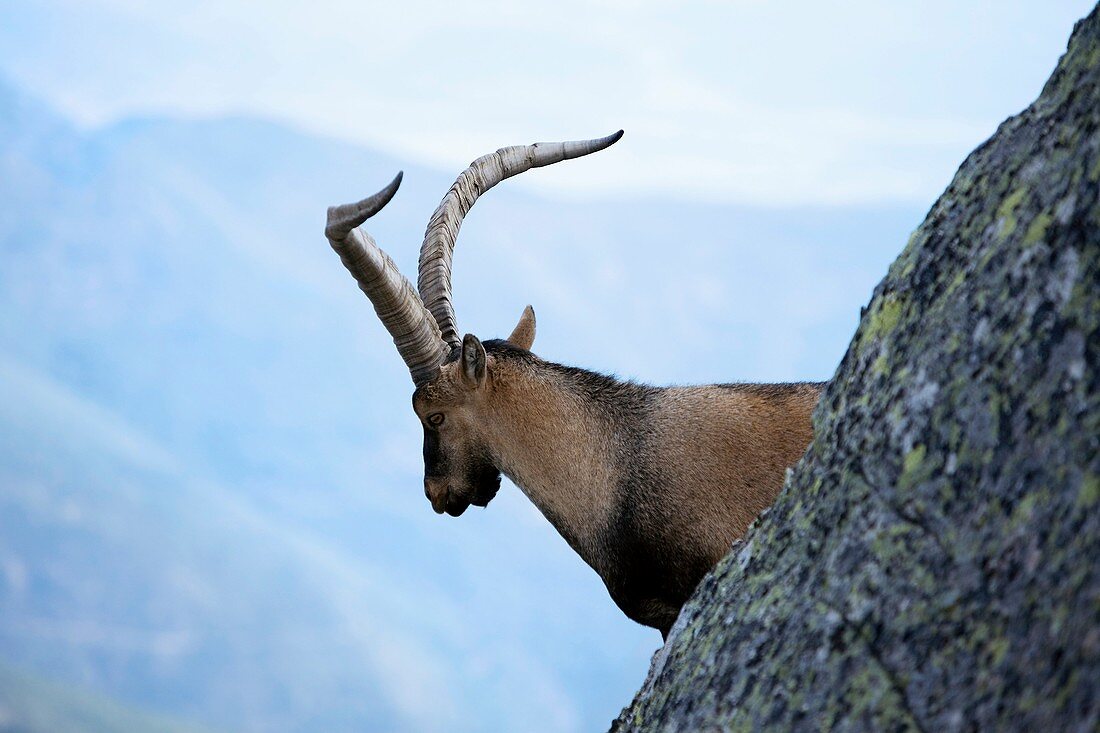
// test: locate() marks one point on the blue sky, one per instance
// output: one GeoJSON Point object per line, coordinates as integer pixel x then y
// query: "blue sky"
{"type": "Point", "coordinates": [748, 101]}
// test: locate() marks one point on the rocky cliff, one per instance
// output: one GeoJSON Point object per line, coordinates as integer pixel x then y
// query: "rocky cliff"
{"type": "Point", "coordinates": [933, 562]}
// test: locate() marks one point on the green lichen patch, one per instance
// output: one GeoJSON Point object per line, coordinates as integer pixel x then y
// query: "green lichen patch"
{"type": "Point", "coordinates": [1090, 491]}
{"type": "Point", "coordinates": [882, 319]}
{"type": "Point", "coordinates": [1038, 227]}
{"type": "Point", "coordinates": [1006, 213]}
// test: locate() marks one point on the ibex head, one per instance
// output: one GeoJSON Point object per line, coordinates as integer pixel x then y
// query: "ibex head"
{"type": "Point", "coordinates": [452, 375]}
{"type": "Point", "coordinates": [459, 469]}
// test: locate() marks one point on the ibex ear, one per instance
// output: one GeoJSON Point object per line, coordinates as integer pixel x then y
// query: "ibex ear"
{"type": "Point", "coordinates": [523, 335]}
{"type": "Point", "coordinates": [473, 361]}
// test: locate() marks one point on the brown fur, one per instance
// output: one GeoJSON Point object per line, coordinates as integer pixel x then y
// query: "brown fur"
{"type": "Point", "coordinates": [650, 486]}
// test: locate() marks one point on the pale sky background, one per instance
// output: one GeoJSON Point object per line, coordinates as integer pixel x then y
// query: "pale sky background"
{"type": "Point", "coordinates": [738, 101]}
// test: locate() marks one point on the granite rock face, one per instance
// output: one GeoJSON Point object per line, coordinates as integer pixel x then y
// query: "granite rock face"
{"type": "Point", "coordinates": [933, 562]}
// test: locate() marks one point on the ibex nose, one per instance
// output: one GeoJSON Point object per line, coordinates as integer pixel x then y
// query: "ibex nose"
{"type": "Point", "coordinates": [436, 490]}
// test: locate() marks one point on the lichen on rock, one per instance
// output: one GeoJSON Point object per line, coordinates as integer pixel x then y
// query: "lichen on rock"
{"type": "Point", "coordinates": [932, 562]}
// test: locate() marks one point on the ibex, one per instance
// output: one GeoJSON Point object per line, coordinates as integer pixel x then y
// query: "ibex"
{"type": "Point", "coordinates": [649, 485]}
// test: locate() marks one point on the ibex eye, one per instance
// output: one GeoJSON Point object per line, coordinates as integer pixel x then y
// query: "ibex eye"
{"type": "Point", "coordinates": [436, 419]}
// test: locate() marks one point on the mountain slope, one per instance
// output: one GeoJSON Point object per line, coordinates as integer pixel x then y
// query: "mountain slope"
{"type": "Point", "coordinates": [32, 705]}
{"type": "Point", "coordinates": [211, 479]}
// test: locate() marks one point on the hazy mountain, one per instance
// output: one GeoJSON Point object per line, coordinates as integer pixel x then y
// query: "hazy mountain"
{"type": "Point", "coordinates": [32, 705]}
{"type": "Point", "coordinates": [210, 499]}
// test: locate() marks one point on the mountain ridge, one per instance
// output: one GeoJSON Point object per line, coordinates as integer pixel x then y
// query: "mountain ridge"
{"type": "Point", "coordinates": [182, 285]}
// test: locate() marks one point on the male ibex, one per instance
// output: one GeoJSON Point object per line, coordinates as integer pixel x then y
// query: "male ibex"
{"type": "Point", "coordinates": [650, 485]}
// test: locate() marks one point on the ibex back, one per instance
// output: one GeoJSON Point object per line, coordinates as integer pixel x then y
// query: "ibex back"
{"type": "Point", "coordinates": [649, 485]}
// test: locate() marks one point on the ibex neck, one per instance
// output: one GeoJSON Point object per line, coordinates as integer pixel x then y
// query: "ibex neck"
{"type": "Point", "coordinates": [555, 441]}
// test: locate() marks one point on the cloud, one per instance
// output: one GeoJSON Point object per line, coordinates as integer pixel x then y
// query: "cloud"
{"type": "Point", "coordinates": [749, 102]}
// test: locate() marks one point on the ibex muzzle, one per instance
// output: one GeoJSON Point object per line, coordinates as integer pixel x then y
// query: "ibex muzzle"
{"type": "Point", "coordinates": [649, 485]}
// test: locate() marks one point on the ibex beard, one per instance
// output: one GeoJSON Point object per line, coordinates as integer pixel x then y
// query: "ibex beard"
{"type": "Point", "coordinates": [649, 485]}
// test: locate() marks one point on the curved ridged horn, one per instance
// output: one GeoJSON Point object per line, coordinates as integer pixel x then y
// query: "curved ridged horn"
{"type": "Point", "coordinates": [396, 302]}
{"type": "Point", "coordinates": [434, 281]}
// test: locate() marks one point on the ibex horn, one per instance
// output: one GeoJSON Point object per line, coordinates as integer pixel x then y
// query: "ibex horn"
{"type": "Point", "coordinates": [434, 281]}
{"type": "Point", "coordinates": [398, 306]}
